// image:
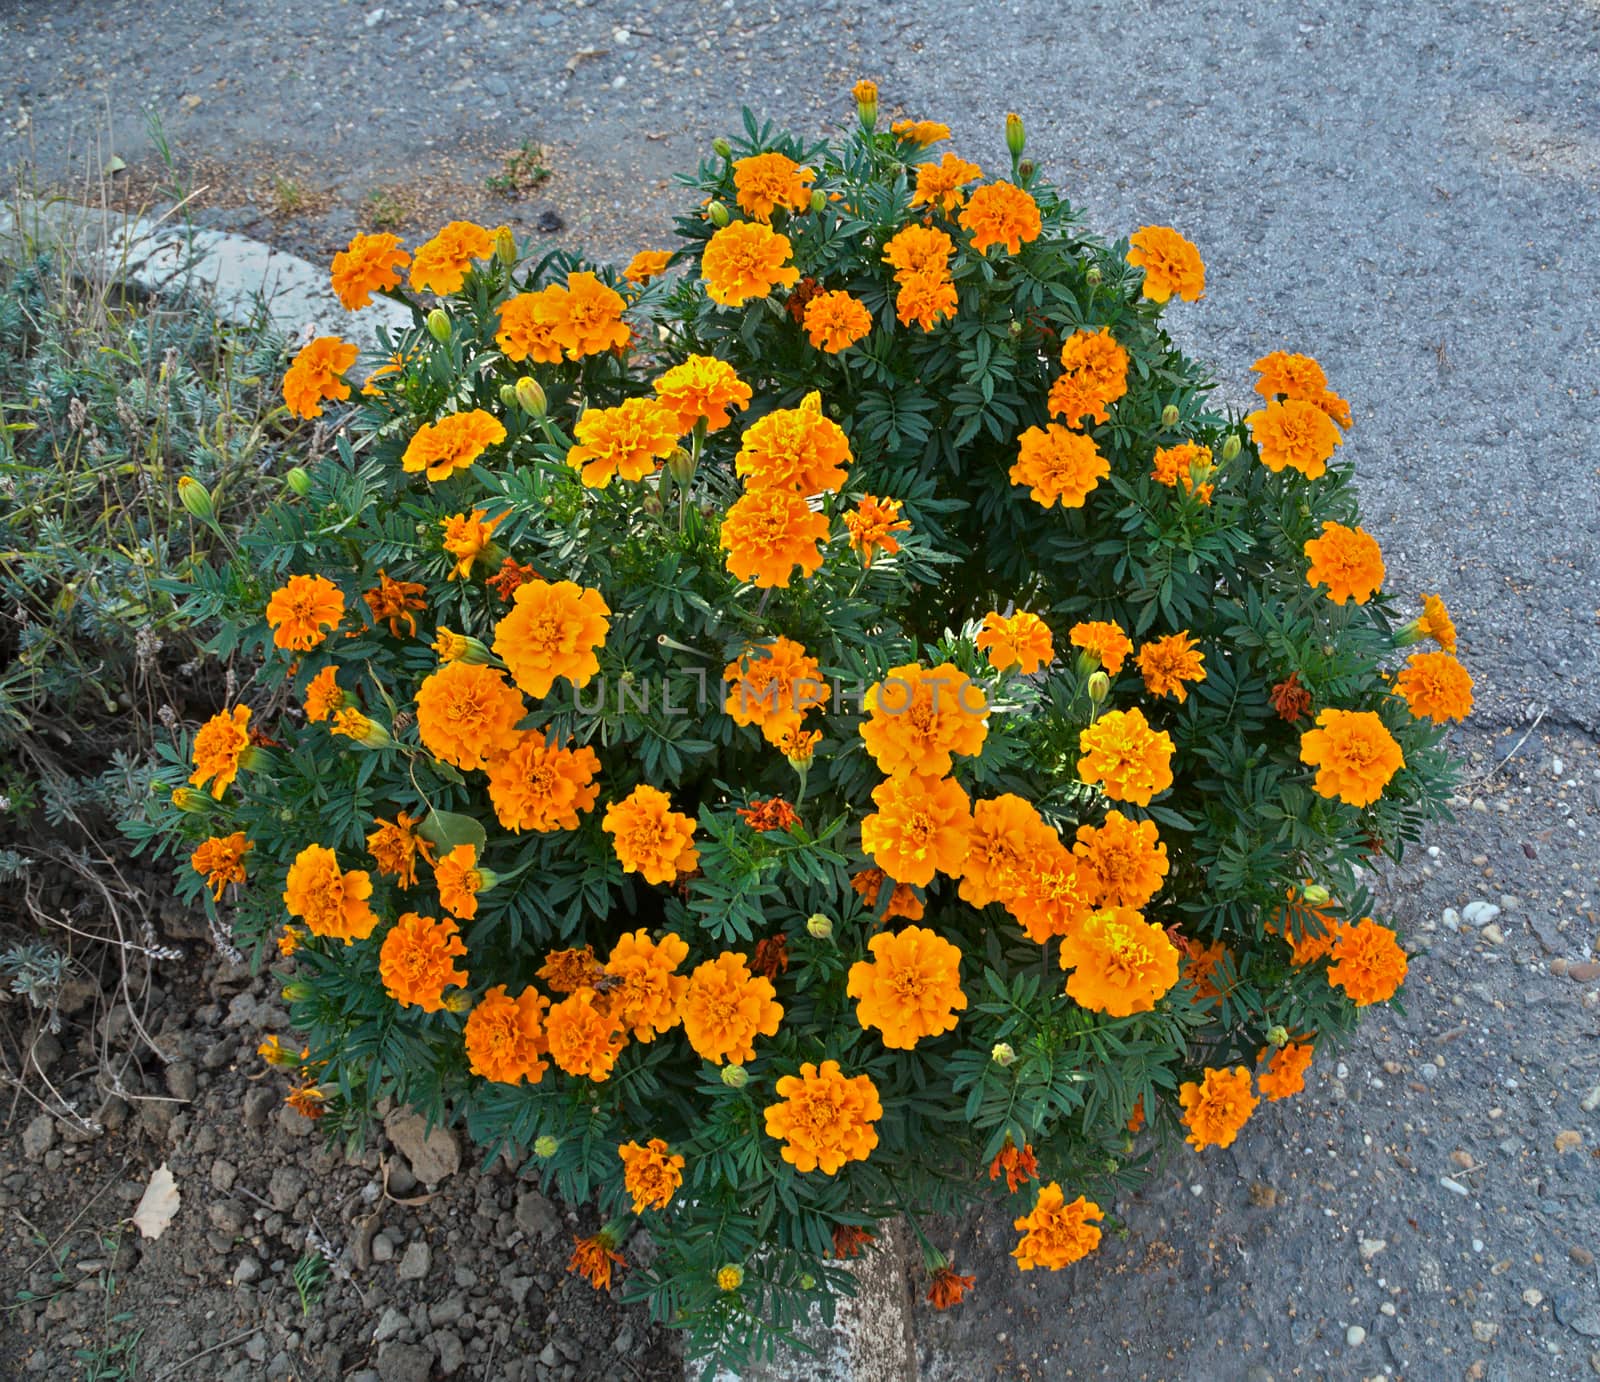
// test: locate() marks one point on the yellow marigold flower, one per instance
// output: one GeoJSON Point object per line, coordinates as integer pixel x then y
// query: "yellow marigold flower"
{"type": "Point", "coordinates": [768, 533]}
{"type": "Point", "coordinates": [1346, 560]}
{"type": "Point", "coordinates": [910, 989]}
{"type": "Point", "coordinates": [918, 717]}
{"type": "Point", "coordinates": [459, 881]}
{"type": "Point", "coordinates": [649, 836]}
{"type": "Point", "coordinates": [1435, 687]}
{"type": "Point", "coordinates": [331, 902]}
{"type": "Point", "coordinates": [1103, 642]}
{"type": "Point", "coordinates": [939, 184]}
{"type": "Point", "coordinates": [458, 647]}
{"type": "Point", "coordinates": [1057, 464]}
{"type": "Point", "coordinates": [392, 602]}
{"type": "Point", "coordinates": [772, 688]}
{"type": "Point", "coordinates": [872, 526]}
{"type": "Point", "coordinates": [1434, 622]}
{"type": "Point", "coordinates": [1186, 464]}
{"type": "Point", "coordinates": [725, 1008]}
{"type": "Point", "coordinates": [466, 538]}
{"type": "Point", "coordinates": [918, 250]}
{"type": "Point", "coordinates": [504, 1036]}
{"type": "Point", "coordinates": [630, 440]}
{"type": "Point", "coordinates": [702, 389]}
{"type": "Point", "coordinates": [647, 264]}
{"type": "Point", "coordinates": [835, 321]}
{"type": "Point", "coordinates": [1217, 1107]}
{"type": "Point", "coordinates": [1131, 761]}
{"type": "Point", "coordinates": [1299, 376]}
{"type": "Point", "coordinates": [220, 861]}
{"type": "Point", "coordinates": [1354, 754]}
{"type": "Point", "coordinates": [395, 845]}
{"type": "Point", "coordinates": [824, 1119]}
{"type": "Point", "coordinates": [1170, 263]}
{"type": "Point", "coordinates": [367, 732]}
{"type": "Point", "coordinates": [1019, 640]}
{"type": "Point", "coordinates": [764, 183]}
{"type": "Point", "coordinates": [218, 746]}
{"type": "Point", "coordinates": [796, 449]}
{"type": "Point", "coordinates": [274, 1052]}
{"type": "Point", "coordinates": [649, 990]}
{"type": "Point", "coordinates": [588, 317]}
{"type": "Point", "coordinates": [322, 696]}
{"type": "Point", "coordinates": [466, 714]}
{"type": "Point", "coordinates": [441, 263]}
{"type": "Point", "coordinates": [567, 971]}
{"type": "Point", "coordinates": [1095, 376]}
{"type": "Point", "coordinates": [1121, 963]}
{"type": "Point", "coordinates": [528, 321]}
{"type": "Point", "coordinates": [865, 95]}
{"type": "Point", "coordinates": [923, 825]}
{"type": "Point", "coordinates": [921, 132]}
{"type": "Point", "coordinates": [745, 260]}
{"type": "Point", "coordinates": [924, 299]}
{"type": "Point", "coordinates": [289, 941]}
{"type": "Point", "coordinates": [1168, 663]}
{"type": "Point", "coordinates": [1368, 963]}
{"type": "Point", "coordinates": [1056, 1234]}
{"type": "Point", "coordinates": [650, 1174]}
{"type": "Point", "coordinates": [536, 785]}
{"type": "Point", "coordinates": [417, 961]}
{"type": "Point", "coordinates": [317, 374]}
{"type": "Point", "coordinates": [1001, 213]}
{"type": "Point", "coordinates": [1007, 837]}
{"type": "Point", "coordinates": [303, 611]}
{"type": "Point", "coordinates": [1295, 434]}
{"type": "Point", "coordinates": [730, 1277]}
{"type": "Point", "coordinates": [1286, 1071]}
{"type": "Point", "coordinates": [585, 1037]}
{"type": "Point", "coordinates": [553, 630]}
{"type": "Point", "coordinates": [453, 443]}
{"type": "Point", "coordinates": [1123, 860]}
{"type": "Point", "coordinates": [371, 264]}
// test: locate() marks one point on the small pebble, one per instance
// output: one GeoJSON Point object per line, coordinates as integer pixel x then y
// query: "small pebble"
{"type": "Point", "coordinates": [1355, 1336]}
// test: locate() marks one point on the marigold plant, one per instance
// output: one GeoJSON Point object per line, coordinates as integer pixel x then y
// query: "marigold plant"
{"type": "Point", "coordinates": [837, 701]}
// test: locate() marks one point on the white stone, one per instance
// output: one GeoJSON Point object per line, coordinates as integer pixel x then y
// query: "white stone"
{"type": "Point", "coordinates": [1355, 1336]}
{"type": "Point", "coordinates": [1479, 913]}
{"type": "Point", "coordinates": [1371, 1247]}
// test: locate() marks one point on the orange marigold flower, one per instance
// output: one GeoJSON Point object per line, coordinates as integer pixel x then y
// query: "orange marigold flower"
{"type": "Point", "coordinates": [1168, 663]}
{"type": "Point", "coordinates": [316, 374]}
{"type": "Point", "coordinates": [1007, 835]}
{"type": "Point", "coordinates": [799, 745]}
{"type": "Point", "coordinates": [552, 630]}
{"type": "Point", "coordinates": [1102, 642]}
{"type": "Point", "coordinates": [588, 317]}
{"type": "Point", "coordinates": [527, 329]}
{"type": "Point", "coordinates": [1131, 761]}
{"type": "Point", "coordinates": [459, 881]}
{"type": "Point", "coordinates": [331, 902]}
{"type": "Point", "coordinates": [1019, 1164]}
{"type": "Point", "coordinates": [849, 1240]}
{"type": "Point", "coordinates": [567, 971]}
{"type": "Point", "coordinates": [303, 611]}
{"type": "Point", "coordinates": [772, 687]}
{"type": "Point", "coordinates": [585, 1036]}
{"type": "Point", "coordinates": [1435, 686]}
{"type": "Point", "coordinates": [1186, 464]}
{"type": "Point", "coordinates": [630, 440]}
{"type": "Point", "coordinates": [371, 264]}
{"type": "Point", "coordinates": [511, 576]}
{"type": "Point", "coordinates": [1121, 963]}
{"type": "Point", "coordinates": [1053, 897]}
{"type": "Point", "coordinates": [903, 902]}
{"type": "Point", "coordinates": [771, 957]}
{"type": "Point", "coordinates": [1056, 1234]}
{"type": "Point", "coordinates": [289, 941]}
{"type": "Point", "coordinates": [392, 601]}
{"type": "Point", "coordinates": [1057, 464]}
{"type": "Point", "coordinates": [939, 184]}
{"type": "Point", "coordinates": [466, 538]}
{"type": "Point", "coordinates": [220, 861]}
{"type": "Point", "coordinates": [910, 989]}
{"type": "Point", "coordinates": [592, 1259]}
{"type": "Point", "coordinates": [1019, 640]}
{"type": "Point", "coordinates": [1434, 622]}
{"type": "Point", "coordinates": [1301, 377]}
{"type": "Point", "coordinates": [397, 361]}
{"type": "Point", "coordinates": [835, 321]}
{"type": "Point", "coordinates": [647, 264]}
{"type": "Point", "coordinates": [725, 1008]}
{"type": "Point", "coordinates": [770, 532]}
{"type": "Point", "coordinates": [441, 263]}
{"type": "Point", "coordinates": [1286, 1071]}
{"type": "Point", "coordinates": [1368, 963]}
{"type": "Point", "coordinates": [1347, 561]}
{"type": "Point", "coordinates": [649, 836]}
{"type": "Point", "coordinates": [764, 183]}
{"type": "Point", "coordinates": [1096, 376]}
{"type": "Point", "coordinates": [917, 718]}
{"type": "Point", "coordinates": [1215, 1108]}
{"type": "Point", "coordinates": [649, 990]}
{"type": "Point", "coordinates": [323, 696]}
{"type": "Point", "coordinates": [922, 825]}
{"type": "Point", "coordinates": [1001, 213]}
{"type": "Point", "coordinates": [702, 389]}
{"type": "Point", "coordinates": [417, 961]}
{"type": "Point", "coordinates": [1354, 754]}
{"type": "Point", "coordinates": [306, 1100]}
{"type": "Point", "coordinates": [795, 449]}
{"type": "Point", "coordinates": [650, 1174]}
{"type": "Point", "coordinates": [772, 814]}
{"type": "Point", "coordinates": [1290, 699]}
{"type": "Point", "coordinates": [924, 299]}
{"type": "Point", "coordinates": [824, 1119]}
{"type": "Point", "coordinates": [745, 260]}
{"type": "Point", "coordinates": [1200, 965]}
{"type": "Point", "coordinates": [1295, 434]}
{"type": "Point", "coordinates": [440, 449]}
{"type": "Point", "coordinates": [505, 1036]}
{"type": "Point", "coordinates": [395, 845]}
{"type": "Point", "coordinates": [536, 785]}
{"type": "Point", "coordinates": [1136, 1118]}
{"type": "Point", "coordinates": [923, 132]}
{"type": "Point", "coordinates": [919, 251]}
{"type": "Point", "coordinates": [1124, 860]}
{"type": "Point", "coordinates": [466, 713]}
{"type": "Point", "coordinates": [218, 747]}
{"type": "Point", "coordinates": [1170, 263]}
{"type": "Point", "coordinates": [947, 1287]}
{"type": "Point", "coordinates": [872, 525]}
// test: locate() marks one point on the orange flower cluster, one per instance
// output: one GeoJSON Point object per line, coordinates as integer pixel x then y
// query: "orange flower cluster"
{"type": "Point", "coordinates": [646, 991]}
{"type": "Point", "coordinates": [219, 747]}
{"type": "Point", "coordinates": [1301, 378]}
{"type": "Point", "coordinates": [330, 901]}
{"type": "Point", "coordinates": [725, 1007]}
{"type": "Point", "coordinates": [630, 440]}
{"type": "Point", "coordinates": [579, 318]}
{"type": "Point", "coordinates": [1347, 561]}
{"type": "Point", "coordinates": [872, 526]}
{"type": "Point", "coordinates": [459, 880]}
{"type": "Point", "coordinates": [1095, 376]}
{"type": "Point", "coordinates": [441, 449]}
{"type": "Point", "coordinates": [585, 1036]}
{"type": "Point", "coordinates": [910, 989]}
{"type": "Point", "coordinates": [1001, 213]}
{"type": "Point", "coordinates": [746, 260]}
{"type": "Point", "coordinates": [1121, 963]}
{"type": "Point", "coordinates": [651, 1174]}
{"type": "Point", "coordinates": [316, 375]}
{"type": "Point", "coordinates": [920, 257]}
{"type": "Point", "coordinates": [1215, 1108]}
{"type": "Point", "coordinates": [553, 631]}
{"type": "Point", "coordinates": [1354, 754]}
{"type": "Point", "coordinates": [772, 687]}
{"type": "Point", "coordinates": [824, 1119]}
{"type": "Point", "coordinates": [220, 861]}
{"type": "Point", "coordinates": [1168, 664]}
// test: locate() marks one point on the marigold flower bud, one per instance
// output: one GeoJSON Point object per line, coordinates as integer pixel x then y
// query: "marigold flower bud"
{"type": "Point", "coordinates": [681, 465]}
{"type": "Point", "coordinates": [439, 325]}
{"type": "Point", "coordinates": [196, 498]}
{"type": "Point", "coordinates": [1099, 687]}
{"type": "Point", "coordinates": [1003, 1053]}
{"type": "Point", "coordinates": [819, 927]}
{"type": "Point", "coordinates": [730, 1277]}
{"type": "Point", "coordinates": [1316, 895]}
{"type": "Point", "coordinates": [721, 147]}
{"type": "Point", "coordinates": [1231, 446]}
{"type": "Point", "coordinates": [866, 93]}
{"type": "Point", "coordinates": [818, 199]}
{"type": "Point", "coordinates": [1092, 275]}
{"type": "Point", "coordinates": [1016, 329]}
{"type": "Point", "coordinates": [717, 214]}
{"type": "Point", "coordinates": [1278, 1036]}
{"type": "Point", "coordinates": [458, 1002]}
{"type": "Point", "coordinates": [807, 1282]}
{"type": "Point", "coordinates": [460, 647]}
{"type": "Point", "coordinates": [1025, 169]}
{"type": "Point", "coordinates": [366, 731]}
{"type": "Point", "coordinates": [186, 799]}
{"type": "Point", "coordinates": [508, 396]}
{"type": "Point", "coordinates": [1169, 415]}
{"type": "Point", "coordinates": [1016, 136]}
{"type": "Point", "coordinates": [546, 1146]}
{"type": "Point", "coordinates": [505, 247]}
{"type": "Point", "coordinates": [293, 993]}
{"type": "Point", "coordinates": [299, 480]}
{"type": "Point", "coordinates": [735, 1076]}
{"type": "Point", "coordinates": [531, 397]}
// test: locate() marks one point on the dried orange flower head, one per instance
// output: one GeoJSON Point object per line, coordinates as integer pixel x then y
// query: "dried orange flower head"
{"type": "Point", "coordinates": [1347, 561]}
{"type": "Point", "coordinates": [1368, 963]}
{"type": "Point", "coordinates": [1121, 963]}
{"type": "Point", "coordinates": [650, 1173]}
{"type": "Point", "coordinates": [910, 989]}
{"type": "Point", "coordinates": [1354, 754]}
{"type": "Point", "coordinates": [947, 1287]}
{"type": "Point", "coordinates": [552, 631]}
{"type": "Point", "coordinates": [1056, 1234]}
{"type": "Point", "coordinates": [725, 1007]}
{"type": "Point", "coordinates": [417, 961]}
{"type": "Point", "coordinates": [393, 602]}
{"type": "Point", "coordinates": [923, 825]}
{"type": "Point", "coordinates": [394, 847]}
{"type": "Point", "coordinates": [303, 611]}
{"type": "Point", "coordinates": [1215, 1108]}
{"type": "Point", "coordinates": [1058, 465]}
{"type": "Point", "coordinates": [1171, 264]}
{"type": "Point", "coordinates": [919, 717]}
{"type": "Point", "coordinates": [824, 1119]}
{"type": "Point", "coordinates": [592, 1259]}
{"type": "Point", "coordinates": [1018, 1164]}
{"type": "Point", "coordinates": [1131, 761]}
{"type": "Point", "coordinates": [746, 260]}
